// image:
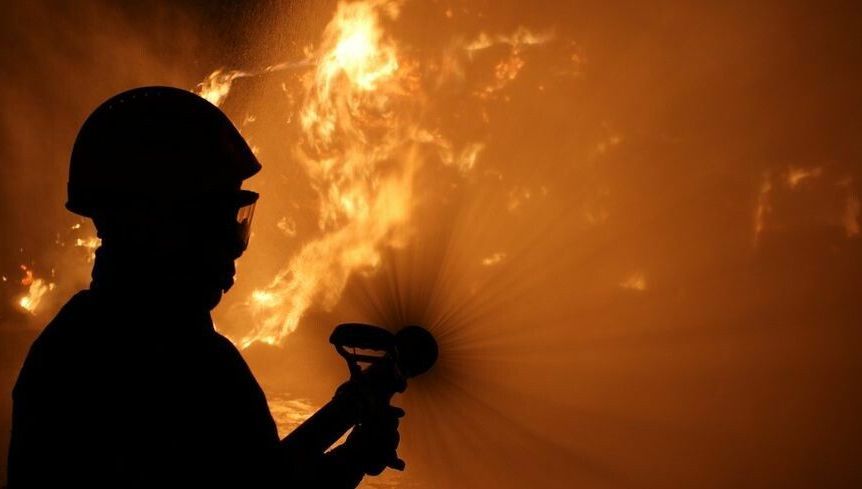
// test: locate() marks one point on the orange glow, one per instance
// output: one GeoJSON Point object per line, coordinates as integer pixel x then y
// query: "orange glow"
{"type": "Point", "coordinates": [796, 175]}
{"type": "Point", "coordinates": [217, 85]}
{"type": "Point", "coordinates": [762, 209]}
{"type": "Point", "coordinates": [37, 288]}
{"type": "Point", "coordinates": [494, 259]}
{"type": "Point", "coordinates": [91, 244]}
{"type": "Point", "coordinates": [634, 231]}
{"type": "Point", "coordinates": [363, 203]}
{"type": "Point", "coordinates": [851, 216]}
{"type": "Point", "coordinates": [636, 281]}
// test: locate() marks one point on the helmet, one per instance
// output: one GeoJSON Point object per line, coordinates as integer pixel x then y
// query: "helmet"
{"type": "Point", "coordinates": [156, 146]}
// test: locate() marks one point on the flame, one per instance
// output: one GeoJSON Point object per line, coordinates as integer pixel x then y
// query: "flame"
{"type": "Point", "coordinates": [28, 275]}
{"type": "Point", "coordinates": [796, 175]}
{"type": "Point", "coordinates": [361, 135]}
{"type": "Point", "coordinates": [762, 208]}
{"type": "Point", "coordinates": [91, 244]}
{"type": "Point", "coordinates": [494, 259]}
{"type": "Point", "coordinates": [350, 136]}
{"type": "Point", "coordinates": [36, 290]}
{"type": "Point", "coordinates": [217, 85]}
{"type": "Point", "coordinates": [507, 69]}
{"type": "Point", "coordinates": [517, 40]}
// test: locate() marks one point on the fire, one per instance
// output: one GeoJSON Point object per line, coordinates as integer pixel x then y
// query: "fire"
{"type": "Point", "coordinates": [517, 40]}
{"type": "Point", "coordinates": [28, 275]}
{"type": "Point", "coordinates": [351, 134]}
{"type": "Point", "coordinates": [506, 70]}
{"type": "Point", "coordinates": [36, 290]}
{"type": "Point", "coordinates": [91, 244]}
{"type": "Point", "coordinates": [762, 208]}
{"type": "Point", "coordinates": [796, 176]}
{"type": "Point", "coordinates": [361, 136]}
{"type": "Point", "coordinates": [359, 52]}
{"type": "Point", "coordinates": [217, 85]}
{"type": "Point", "coordinates": [494, 259]}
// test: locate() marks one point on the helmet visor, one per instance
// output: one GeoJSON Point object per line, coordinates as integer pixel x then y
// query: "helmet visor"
{"type": "Point", "coordinates": [244, 215]}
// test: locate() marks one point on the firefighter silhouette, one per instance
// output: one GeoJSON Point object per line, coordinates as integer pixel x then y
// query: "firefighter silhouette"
{"type": "Point", "coordinates": [130, 385]}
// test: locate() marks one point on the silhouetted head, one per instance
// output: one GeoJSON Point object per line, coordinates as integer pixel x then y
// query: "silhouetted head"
{"type": "Point", "coordinates": [160, 170]}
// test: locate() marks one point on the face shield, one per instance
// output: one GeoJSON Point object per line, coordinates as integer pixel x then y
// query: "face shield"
{"type": "Point", "coordinates": [213, 221]}
{"type": "Point", "coordinates": [247, 200]}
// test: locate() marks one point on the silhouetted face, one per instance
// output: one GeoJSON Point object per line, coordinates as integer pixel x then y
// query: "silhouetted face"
{"type": "Point", "coordinates": [184, 253]}
{"type": "Point", "coordinates": [212, 237]}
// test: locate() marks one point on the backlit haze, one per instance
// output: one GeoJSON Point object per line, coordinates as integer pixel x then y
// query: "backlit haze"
{"type": "Point", "coordinates": [633, 228]}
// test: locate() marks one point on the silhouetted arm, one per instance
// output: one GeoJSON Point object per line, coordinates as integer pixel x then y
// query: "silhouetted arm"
{"type": "Point", "coordinates": [304, 450]}
{"type": "Point", "coordinates": [369, 449]}
{"type": "Point", "coordinates": [336, 469]}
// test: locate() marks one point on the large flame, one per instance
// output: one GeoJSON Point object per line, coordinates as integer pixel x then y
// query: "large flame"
{"type": "Point", "coordinates": [351, 139]}
{"type": "Point", "coordinates": [361, 134]}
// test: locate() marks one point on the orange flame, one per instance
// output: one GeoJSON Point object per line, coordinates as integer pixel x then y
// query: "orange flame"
{"type": "Point", "coordinates": [762, 208]}
{"type": "Point", "coordinates": [217, 85]}
{"type": "Point", "coordinates": [37, 288]}
{"type": "Point", "coordinates": [364, 201]}
{"type": "Point", "coordinates": [360, 143]}
{"type": "Point", "coordinates": [796, 175]}
{"type": "Point", "coordinates": [91, 244]}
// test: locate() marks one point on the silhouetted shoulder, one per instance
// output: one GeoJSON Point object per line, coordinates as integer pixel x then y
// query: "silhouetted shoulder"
{"type": "Point", "coordinates": [236, 376]}
{"type": "Point", "coordinates": [57, 339]}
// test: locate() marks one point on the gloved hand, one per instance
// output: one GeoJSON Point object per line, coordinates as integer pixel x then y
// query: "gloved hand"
{"type": "Point", "coordinates": [373, 443]}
